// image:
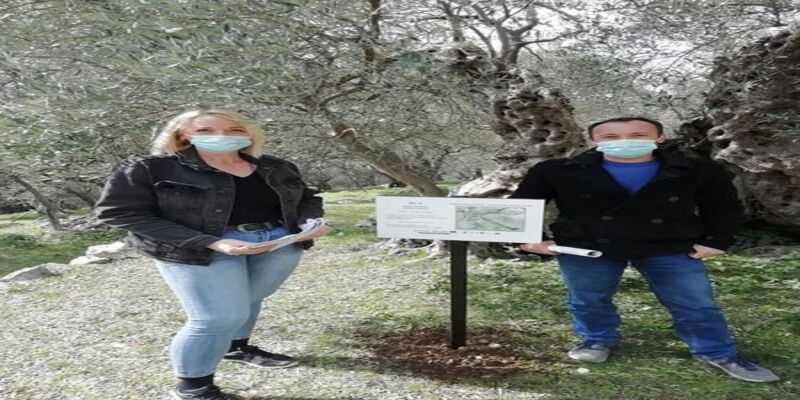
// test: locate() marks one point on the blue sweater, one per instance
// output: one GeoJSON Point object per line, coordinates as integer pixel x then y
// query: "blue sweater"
{"type": "Point", "coordinates": [632, 176]}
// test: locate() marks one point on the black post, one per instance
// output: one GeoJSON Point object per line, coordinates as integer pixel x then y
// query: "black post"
{"type": "Point", "coordinates": [458, 293]}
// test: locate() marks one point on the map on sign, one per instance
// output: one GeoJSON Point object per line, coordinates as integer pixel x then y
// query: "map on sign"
{"type": "Point", "coordinates": [483, 218]}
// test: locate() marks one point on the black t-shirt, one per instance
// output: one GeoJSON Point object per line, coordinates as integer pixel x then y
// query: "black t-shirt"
{"type": "Point", "coordinates": [255, 201]}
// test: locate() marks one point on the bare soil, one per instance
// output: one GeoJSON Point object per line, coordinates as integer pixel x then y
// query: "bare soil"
{"type": "Point", "coordinates": [488, 354]}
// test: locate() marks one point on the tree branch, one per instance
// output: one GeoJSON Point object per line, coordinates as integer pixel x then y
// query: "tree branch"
{"type": "Point", "coordinates": [486, 41]}
{"type": "Point", "coordinates": [502, 32]}
{"type": "Point", "coordinates": [454, 20]}
{"type": "Point", "coordinates": [324, 102]}
{"type": "Point", "coordinates": [375, 19]}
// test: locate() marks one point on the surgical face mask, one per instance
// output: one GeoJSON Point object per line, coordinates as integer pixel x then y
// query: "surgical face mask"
{"type": "Point", "coordinates": [220, 143]}
{"type": "Point", "coordinates": [627, 148]}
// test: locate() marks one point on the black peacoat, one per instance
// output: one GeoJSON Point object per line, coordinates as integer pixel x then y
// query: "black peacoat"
{"type": "Point", "coordinates": [690, 201]}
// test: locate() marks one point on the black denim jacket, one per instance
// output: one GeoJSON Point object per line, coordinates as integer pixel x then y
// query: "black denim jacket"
{"type": "Point", "coordinates": [174, 205]}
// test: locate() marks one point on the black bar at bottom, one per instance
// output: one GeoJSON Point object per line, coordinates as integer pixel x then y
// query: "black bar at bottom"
{"type": "Point", "coordinates": [458, 293]}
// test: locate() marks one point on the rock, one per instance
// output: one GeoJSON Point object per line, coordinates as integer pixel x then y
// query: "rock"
{"type": "Point", "coordinates": [772, 251]}
{"type": "Point", "coordinates": [85, 260]}
{"type": "Point", "coordinates": [368, 222]}
{"type": "Point", "coordinates": [392, 244]}
{"type": "Point", "coordinates": [37, 272]}
{"type": "Point", "coordinates": [113, 251]}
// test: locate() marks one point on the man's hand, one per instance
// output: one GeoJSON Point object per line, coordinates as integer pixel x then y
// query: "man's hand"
{"type": "Point", "coordinates": [540, 248]}
{"type": "Point", "coordinates": [233, 247]}
{"type": "Point", "coordinates": [700, 252]}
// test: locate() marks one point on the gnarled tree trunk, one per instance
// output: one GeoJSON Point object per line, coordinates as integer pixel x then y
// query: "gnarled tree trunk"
{"type": "Point", "coordinates": [753, 126]}
{"type": "Point", "coordinates": [534, 121]}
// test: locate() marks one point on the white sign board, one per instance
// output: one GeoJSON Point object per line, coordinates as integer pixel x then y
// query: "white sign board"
{"type": "Point", "coordinates": [459, 218]}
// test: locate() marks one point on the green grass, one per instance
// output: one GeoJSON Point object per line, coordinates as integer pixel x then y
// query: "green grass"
{"type": "Point", "coordinates": [760, 299]}
{"type": "Point", "coordinates": [23, 243]}
{"type": "Point", "coordinates": [343, 208]}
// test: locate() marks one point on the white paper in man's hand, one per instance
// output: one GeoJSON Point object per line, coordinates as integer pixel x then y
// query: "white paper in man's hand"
{"type": "Point", "coordinates": [575, 251]}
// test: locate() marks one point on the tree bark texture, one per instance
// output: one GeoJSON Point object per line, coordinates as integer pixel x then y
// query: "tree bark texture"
{"type": "Point", "coordinates": [753, 126]}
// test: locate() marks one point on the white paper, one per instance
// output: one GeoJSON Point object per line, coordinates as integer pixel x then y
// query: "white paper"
{"type": "Point", "coordinates": [575, 251]}
{"type": "Point", "coordinates": [317, 228]}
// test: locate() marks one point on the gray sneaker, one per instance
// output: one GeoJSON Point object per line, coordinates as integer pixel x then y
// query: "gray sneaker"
{"type": "Point", "coordinates": [740, 368]}
{"type": "Point", "coordinates": [590, 351]}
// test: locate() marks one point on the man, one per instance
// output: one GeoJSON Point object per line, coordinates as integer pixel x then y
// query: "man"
{"type": "Point", "coordinates": [660, 211]}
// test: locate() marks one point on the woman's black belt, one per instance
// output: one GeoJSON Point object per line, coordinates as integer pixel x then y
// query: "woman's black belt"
{"type": "Point", "coordinates": [256, 226]}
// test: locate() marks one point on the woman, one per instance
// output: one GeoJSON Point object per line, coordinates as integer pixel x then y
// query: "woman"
{"type": "Point", "coordinates": [194, 205]}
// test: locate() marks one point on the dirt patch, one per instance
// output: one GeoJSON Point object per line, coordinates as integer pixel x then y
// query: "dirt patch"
{"type": "Point", "coordinates": [488, 354]}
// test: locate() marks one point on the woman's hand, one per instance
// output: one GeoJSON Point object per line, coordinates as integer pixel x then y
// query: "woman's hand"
{"type": "Point", "coordinates": [540, 248]}
{"type": "Point", "coordinates": [233, 247]}
{"type": "Point", "coordinates": [322, 232]}
{"type": "Point", "coordinates": [700, 252]}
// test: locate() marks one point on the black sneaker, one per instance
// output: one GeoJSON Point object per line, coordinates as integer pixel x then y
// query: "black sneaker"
{"type": "Point", "coordinates": [254, 356]}
{"type": "Point", "coordinates": [207, 392]}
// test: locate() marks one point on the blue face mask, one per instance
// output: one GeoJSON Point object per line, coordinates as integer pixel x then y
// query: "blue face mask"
{"type": "Point", "coordinates": [627, 148]}
{"type": "Point", "coordinates": [220, 143]}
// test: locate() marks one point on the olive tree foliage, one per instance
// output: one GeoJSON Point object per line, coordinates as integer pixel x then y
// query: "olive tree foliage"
{"type": "Point", "coordinates": [90, 82]}
{"type": "Point", "coordinates": [86, 83]}
{"type": "Point", "coordinates": [654, 57]}
{"type": "Point", "coordinates": [413, 88]}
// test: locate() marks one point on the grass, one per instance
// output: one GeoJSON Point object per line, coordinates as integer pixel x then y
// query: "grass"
{"type": "Point", "coordinates": [343, 208]}
{"type": "Point", "coordinates": [24, 243]}
{"type": "Point", "coordinates": [759, 297]}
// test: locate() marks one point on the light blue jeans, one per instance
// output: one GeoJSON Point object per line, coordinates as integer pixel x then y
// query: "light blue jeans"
{"type": "Point", "coordinates": [222, 301]}
{"type": "Point", "coordinates": [679, 282]}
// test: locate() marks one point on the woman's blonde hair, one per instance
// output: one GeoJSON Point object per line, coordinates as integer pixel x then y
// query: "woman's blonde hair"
{"type": "Point", "coordinates": [167, 140]}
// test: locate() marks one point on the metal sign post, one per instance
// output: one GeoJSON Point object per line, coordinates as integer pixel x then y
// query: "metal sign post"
{"type": "Point", "coordinates": [458, 293]}
{"type": "Point", "coordinates": [459, 221]}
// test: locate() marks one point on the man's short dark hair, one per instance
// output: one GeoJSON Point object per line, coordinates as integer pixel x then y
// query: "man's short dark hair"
{"type": "Point", "coordinates": [653, 122]}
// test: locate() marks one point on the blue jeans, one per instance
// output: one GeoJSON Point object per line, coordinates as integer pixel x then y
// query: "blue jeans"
{"type": "Point", "coordinates": [679, 282]}
{"type": "Point", "coordinates": [222, 301]}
